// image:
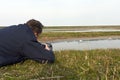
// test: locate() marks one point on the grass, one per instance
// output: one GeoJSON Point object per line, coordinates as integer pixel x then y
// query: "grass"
{"type": "Point", "coordinates": [50, 36]}
{"type": "Point", "coordinates": [68, 35]}
{"type": "Point", "coordinates": [71, 65]}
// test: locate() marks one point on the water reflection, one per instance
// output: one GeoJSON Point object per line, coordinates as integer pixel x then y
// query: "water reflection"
{"type": "Point", "coordinates": [86, 44]}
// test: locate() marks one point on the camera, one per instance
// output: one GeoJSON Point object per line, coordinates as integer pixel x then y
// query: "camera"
{"type": "Point", "coordinates": [49, 45]}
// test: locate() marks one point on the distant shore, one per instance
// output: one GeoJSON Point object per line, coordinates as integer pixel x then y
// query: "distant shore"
{"type": "Point", "coordinates": [57, 36]}
{"type": "Point", "coordinates": [86, 38]}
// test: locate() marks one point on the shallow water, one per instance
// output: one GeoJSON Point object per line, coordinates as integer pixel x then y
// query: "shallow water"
{"type": "Point", "coordinates": [86, 44]}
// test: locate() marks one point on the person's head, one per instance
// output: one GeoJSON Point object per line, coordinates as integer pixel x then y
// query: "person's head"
{"type": "Point", "coordinates": [36, 26]}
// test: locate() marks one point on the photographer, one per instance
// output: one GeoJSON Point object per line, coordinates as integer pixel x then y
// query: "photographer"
{"type": "Point", "coordinates": [19, 42]}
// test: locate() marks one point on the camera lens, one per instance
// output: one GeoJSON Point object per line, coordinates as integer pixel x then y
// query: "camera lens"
{"type": "Point", "coordinates": [49, 45]}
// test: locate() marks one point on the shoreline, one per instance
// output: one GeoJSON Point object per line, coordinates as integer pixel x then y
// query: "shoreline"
{"type": "Point", "coordinates": [84, 38]}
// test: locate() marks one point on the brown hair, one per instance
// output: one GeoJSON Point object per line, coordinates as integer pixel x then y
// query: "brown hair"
{"type": "Point", "coordinates": [35, 25]}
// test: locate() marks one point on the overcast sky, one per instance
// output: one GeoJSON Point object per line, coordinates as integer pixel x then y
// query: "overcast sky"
{"type": "Point", "coordinates": [60, 12]}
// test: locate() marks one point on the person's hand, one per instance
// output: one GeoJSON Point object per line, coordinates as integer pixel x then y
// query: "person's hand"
{"type": "Point", "coordinates": [46, 47]}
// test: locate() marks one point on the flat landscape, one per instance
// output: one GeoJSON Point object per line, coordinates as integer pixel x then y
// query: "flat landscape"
{"type": "Point", "coordinates": [71, 32]}
{"type": "Point", "coordinates": [78, 28]}
{"type": "Point", "coordinates": [98, 64]}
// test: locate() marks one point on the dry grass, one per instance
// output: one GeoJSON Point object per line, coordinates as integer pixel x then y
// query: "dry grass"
{"type": "Point", "coordinates": [69, 65]}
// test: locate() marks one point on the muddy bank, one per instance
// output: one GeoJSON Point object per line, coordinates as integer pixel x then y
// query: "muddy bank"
{"type": "Point", "coordinates": [79, 38]}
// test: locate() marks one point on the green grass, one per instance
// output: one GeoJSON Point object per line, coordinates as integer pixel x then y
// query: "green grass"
{"type": "Point", "coordinates": [68, 35]}
{"type": "Point", "coordinates": [78, 34]}
{"type": "Point", "coordinates": [72, 65]}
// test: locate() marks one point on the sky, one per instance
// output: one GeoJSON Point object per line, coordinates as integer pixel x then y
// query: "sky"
{"type": "Point", "coordinates": [60, 12]}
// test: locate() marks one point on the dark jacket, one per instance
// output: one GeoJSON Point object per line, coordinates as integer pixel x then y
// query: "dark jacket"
{"type": "Point", "coordinates": [18, 43]}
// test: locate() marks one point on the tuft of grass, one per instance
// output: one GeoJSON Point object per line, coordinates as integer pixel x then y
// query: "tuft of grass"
{"type": "Point", "coordinates": [97, 64]}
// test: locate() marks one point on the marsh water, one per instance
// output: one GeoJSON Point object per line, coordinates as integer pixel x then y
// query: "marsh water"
{"type": "Point", "coordinates": [86, 44]}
